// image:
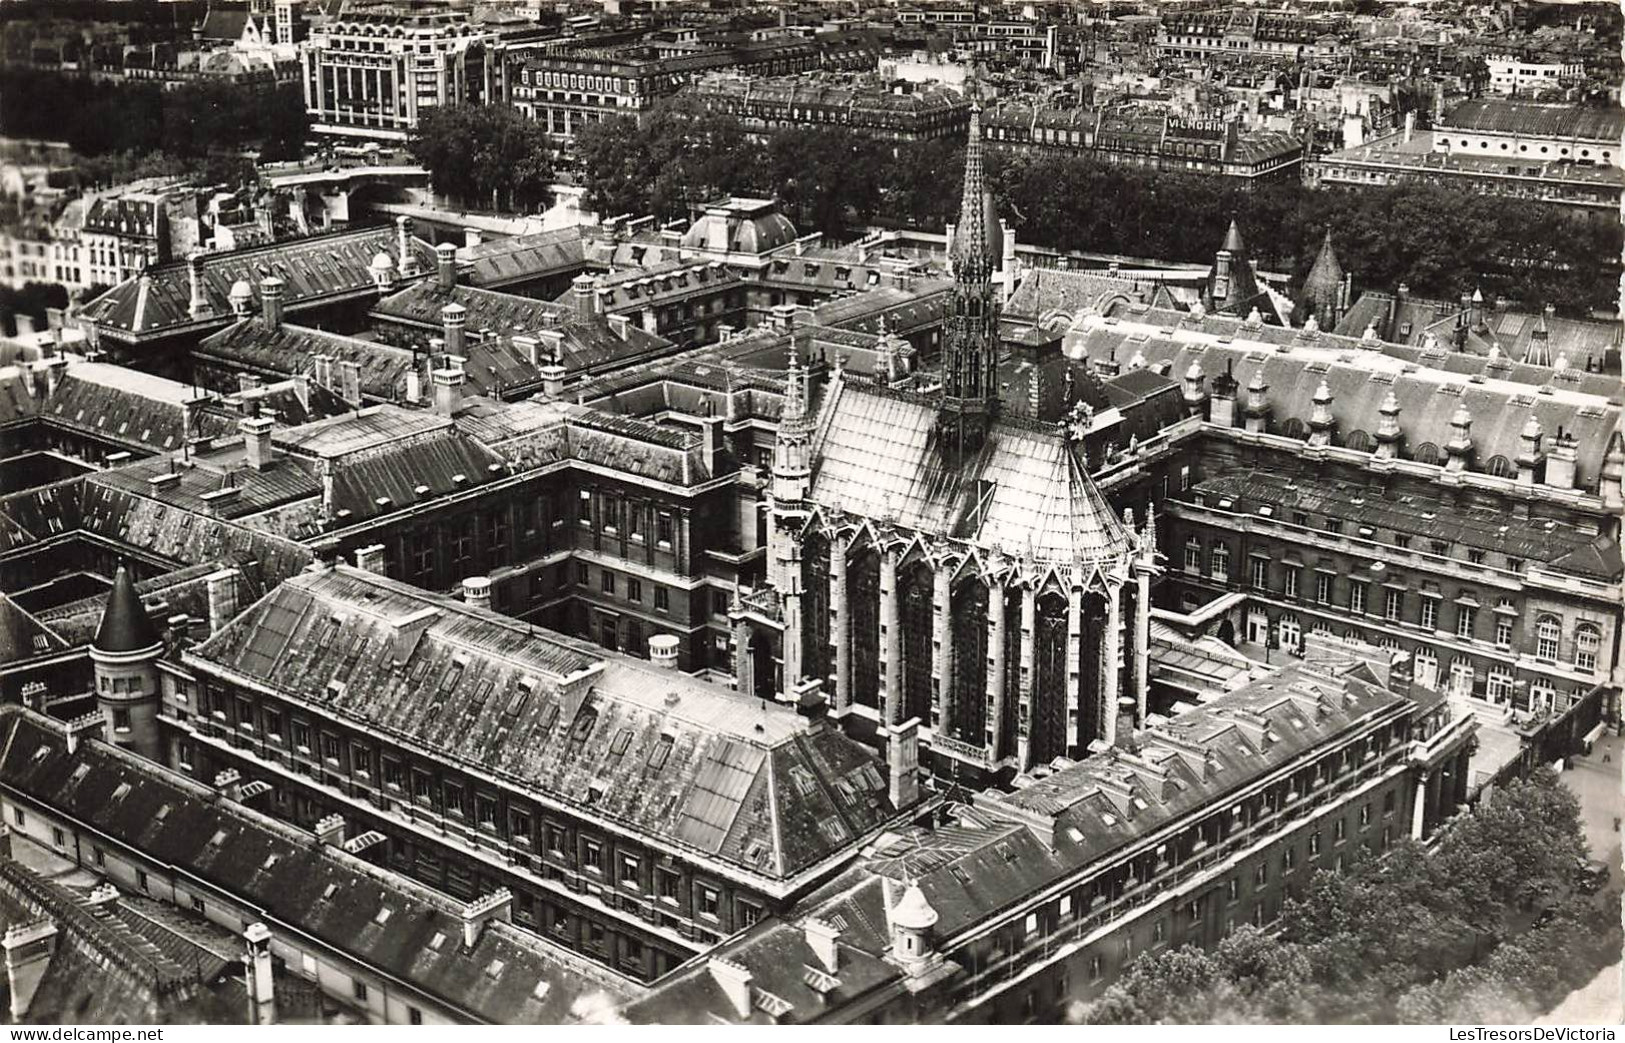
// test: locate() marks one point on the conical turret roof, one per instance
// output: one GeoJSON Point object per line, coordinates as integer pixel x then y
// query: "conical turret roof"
{"type": "Point", "coordinates": [125, 625]}
{"type": "Point", "coordinates": [1326, 273]}
{"type": "Point", "coordinates": [1233, 241]}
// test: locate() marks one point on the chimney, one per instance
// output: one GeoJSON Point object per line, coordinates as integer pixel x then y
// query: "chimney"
{"type": "Point", "coordinates": [271, 301]}
{"type": "Point", "coordinates": [29, 948]}
{"type": "Point", "coordinates": [471, 237]}
{"type": "Point", "coordinates": [618, 326]}
{"type": "Point", "coordinates": [553, 382]}
{"type": "Point", "coordinates": [445, 264]}
{"type": "Point", "coordinates": [1560, 460]}
{"type": "Point", "coordinates": [222, 598]}
{"type": "Point", "coordinates": [734, 980]}
{"type": "Point", "coordinates": [903, 760]}
{"type": "Point", "coordinates": [199, 303]}
{"type": "Point", "coordinates": [257, 971]}
{"type": "Point", "coordinates": [414, 386]}
{"type": "Point", "coordinates": [406, 263]}
{"type": "Point", "coordinates": [453, 318]}
{"type": "Point", "coordinates": [256, 432]}
{"type": "Point", "coordinates": [530, 348]}
{"type": "Point", "coordinates": [448, 388]}
{"type": "Point", "coordinates": [711, 445]}
{"type": "Point", "coordinates": [370, 559]}
{"type": "Point", "coordinates": [102, 895]}
{"type": "Point", "coordinates": [498, 905]}
{"type": "Point", "coordinates": [663, 651]}
{"type": "Point", "coordinates": [322, 367]}
{"type": "Point", "coordinates": [584, 290]}
{"type": "Point", "coordinates": [229, 784]}
{"type": "Point", "coordinates": [477, 591]}
{"type": "Point", "coordinates": [330, 830]}
{"type": "Point", "coordinates": [821, 939]}
{"type": "Point", "coordinates": [82, 729]}
{"type": "Point", "coordinates": [349, 387]}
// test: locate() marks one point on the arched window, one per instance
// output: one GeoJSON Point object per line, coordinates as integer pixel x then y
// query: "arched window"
{"type": "Point", "coordinates": [1500, 467]}
{"type": "Point", "coordinates": [1587, 639]}
{"type": "Point", "coordinates": [1426, 453]}
{"type": "Point", "coordinates": [1295, 428]}
{"type": "Point", "coordinates": [1359, 441]}
{"type": "Point", "coordinates": [1427, 668]}
{"type": "Point", "coordinates": [1548, 633]}
{"type": "Point", "coordinates": [1461, 677]}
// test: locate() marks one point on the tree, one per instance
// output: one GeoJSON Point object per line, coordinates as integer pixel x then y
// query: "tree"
{"type": "Point", "coordinates": [1417, 935]}
{"type": "Point", "coordinates": [485, 156]}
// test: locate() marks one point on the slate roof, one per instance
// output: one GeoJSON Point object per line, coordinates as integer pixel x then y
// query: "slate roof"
{"type": "Point", "coordinates": [1509, 331]}
{"type": "Point", "coordinates": [1077, 822]}
{"type": "Point", "coordinates": [1025, 494]}
{"type": "Point", "coordinates": [108, 402]}
{"type": "Point", "coordinates": [313, 270]}
{"type": "Point", "coordinates": [499, 262]}
{"type": "Point", "coordinates": [1481, 528]}
{"type": "Point", "coordinates": [23, 635]}
{"type": "Point", "coordinates": [281, 870]}
{"type": "Point", "coordinates": [286, 349]}
{"type": "Point", "coordinates": [1044, 290]}
{"type": "Point", "coordinates": [746, 788]}
{"type": "Point", "coordinates": [1359, 378]}
{"type": "Point", "coordinates": [738, 225]}
{"type": "Point", "coordinates": [125, 625]}
{"type": "Point", "coordinates": [902, 311]}
{"type": "Point", "coordinates": [1537, 119]}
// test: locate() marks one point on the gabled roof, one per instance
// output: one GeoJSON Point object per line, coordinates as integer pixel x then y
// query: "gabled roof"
{"type": "Point", "coordinates": [125, 625]}
{"type": "Point", "coordinates": [743, 787]}
{"type": "Point", "coordinates": [314, 269]}
{"type": "Point", "coordinates": [282, 871]}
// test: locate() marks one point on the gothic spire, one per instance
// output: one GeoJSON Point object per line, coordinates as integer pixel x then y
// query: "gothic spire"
{"type": "Point", "coordinates": [972, 259]}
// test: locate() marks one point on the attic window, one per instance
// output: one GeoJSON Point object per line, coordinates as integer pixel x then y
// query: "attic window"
{"type": "Point", "coordinates": [541, 990]}
{"type": "Point", "coordinates": [583, 725]}
{"type": "Point", "coordinates": [329, 891]}
{"type": "Point", "coordinates": [163, 813]}
{"type": "Point", "coordinates": [453, 672]}
{"type": "Point", "coordinates": [270, 862]}
{"type": "Point", "coordinates": [218, 838]}
{"type": "Point", "coordinates": [42, 752]}
{"type": "Point", "coordinates": [1074, 834]}
{"type": "Point", "coordinates": [660, 751]}
{"type": "Point", "coordinates": [80, 772]}
{"type": "Point", "coordinates": [520, 696]}
{"type": "Point", "coordinates": [482, 693]}
{"type": "Point", "coordinates": [384, 913]}
{"type": "Point", "coordinates": [437, 941]}
{"type": "Point", "coordinates": [121, 791]}
{"type": "Point", "coordinates": [549, 716]}
{"type": "Point", "coordinates": [1109, 819]}
{"type": "Point", "coordinates": [622, 739]}
{"type": "Point", "coordinates": [495, 968]}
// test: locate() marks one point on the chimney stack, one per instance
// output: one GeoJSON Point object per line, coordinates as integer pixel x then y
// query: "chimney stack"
{"type": "Point", "coordinates": [903, 761]}
{"type": "Point", "coordinates": [370, 559]}
{"type": "Point", "coordinates": [663, 651]}
{"type": "Point", "coordinates": [477, 591]}
{"type": "Point", "coordinates": [271, 301]}
{"type": "Point", "coordinates": [712, 442]}
{"type": "Point", "coordinates": [349, 387]}
{"type": "Point", "coordinates": [445, 260]}
{"type": "Point", "coordinates": [29, 948]}
{"type": "Point", "coordinates": [453, 319]}
{"type": "Point", "coordinates": [553, 382]}
{"type": "Point", "coordinates": [222, 587]}
{"type": "Point", "coordinates": [448, 387]}
{"type": "Point", "coordinates": [257, 971]}
{"type": "Point", "coordinates": [330, 830]}
{"type": "Point", "coordinates": [498, 905]}
{"type": "Point", "coordinates": [406, 264]}
{"type": "Point", "coordinates": [256, 432]}
{"type": "Point", "coordinates": [822, 938]}
{"type": "Point", "coordinates": [199, 303]}
{"type": "Point", "coordinates": [735, 982]}
{"type": "Point", "coordinates": [584, 289]}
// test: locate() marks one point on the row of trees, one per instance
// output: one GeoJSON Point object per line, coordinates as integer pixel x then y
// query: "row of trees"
{"type": "Point", "coordinates": [187, 123]}
{"type": "Point", "coordinates": [1440, 241]}
{"type": "Point", "coordinates": [1486, 927]}
{"type": "Point", "coordinates": [486, 156]}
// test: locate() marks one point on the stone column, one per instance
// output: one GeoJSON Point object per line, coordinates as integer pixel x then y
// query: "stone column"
{"type": "Point", "coordinates": [1142, 645]}
{"type": "Point", "coordinates": [1075, 726]}
{"type": "Point", "coordinates": [1419, 811]}
{"type": "Point", "coordinates": [839, 615]}
{"type": "Point", "coordinates": [1111, 679]}
{"type": "Point", "coordinates": [994, 732]}
{"type": "Point", "coordinates": [891, 639]}
{"type": "Point", "coordinates": [1029, 648]}
{"type": "Point", "coordinates": [744, 661]}
{"type": "Point", "coordinates": [942, 659]}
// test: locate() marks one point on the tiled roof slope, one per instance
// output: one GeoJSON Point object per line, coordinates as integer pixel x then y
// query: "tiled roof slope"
{"type": "Point", "coordinates": [1045, 290]}
{"type": "Point", "coordinates": [284, 350]}
{"type": "Point", "coordinates": [878, 457]}
{"type": "Point", "coordinates": [1295, 363]}
{"type": "Point", "coordinates": [1476, 527]}
{"type": "Point", "coordinates": [285, 872]}
{"type": "Point", "coordinates": [752, 789]}
{"type": "Point", "coordinates": [107, 402]}
{"type": "Point", "coordinates": [1074, 823]}
{"type": "Point", "coordinates": [313, 269]}
{"type": "Point", "coordinates": [1508, 332]}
